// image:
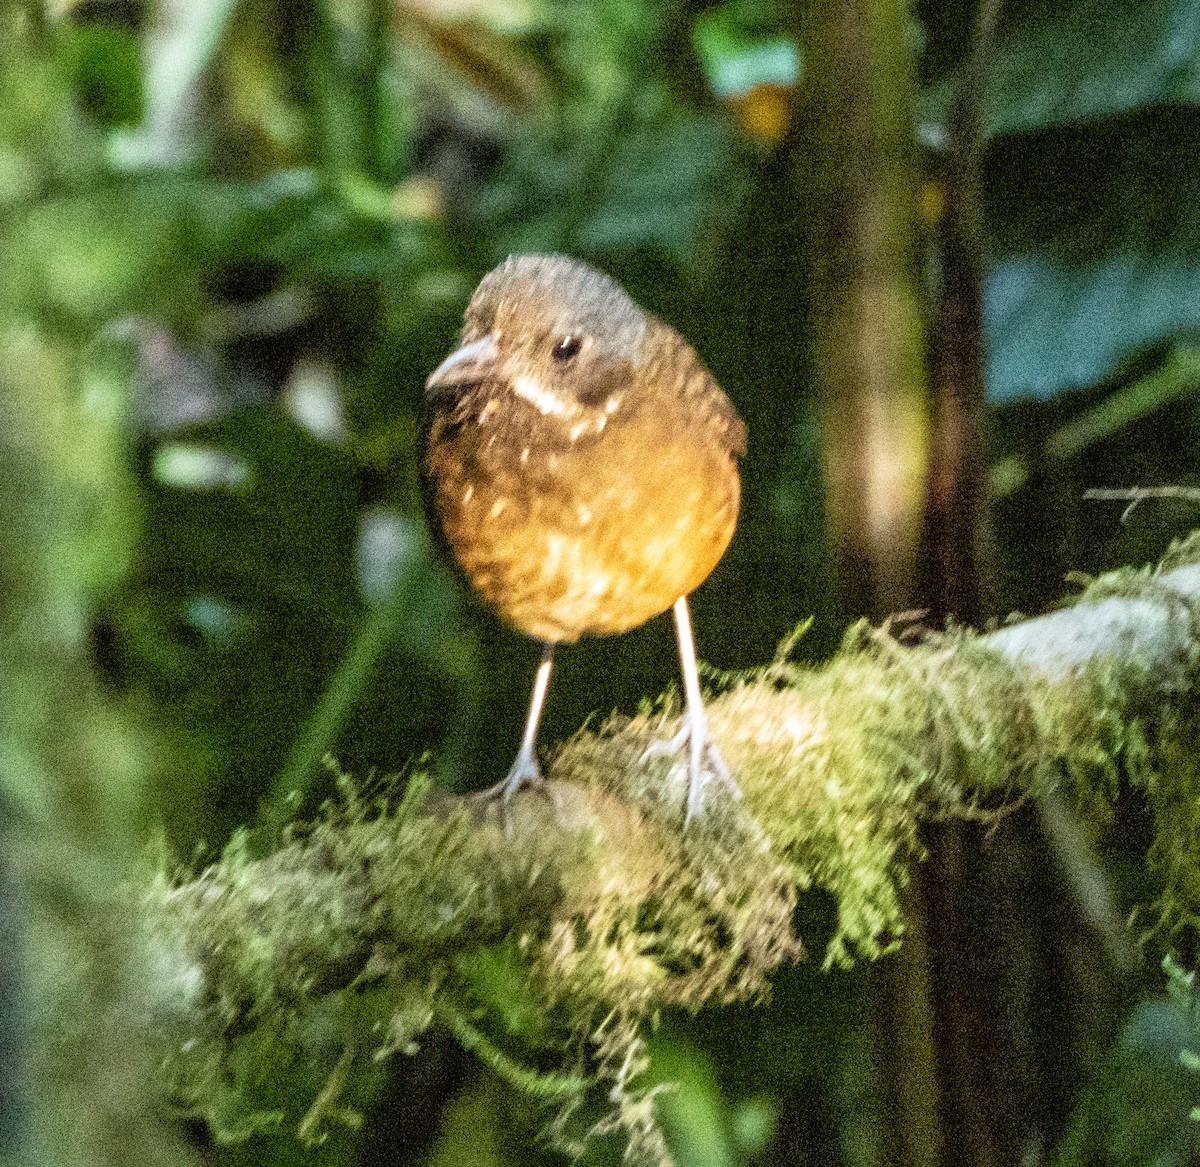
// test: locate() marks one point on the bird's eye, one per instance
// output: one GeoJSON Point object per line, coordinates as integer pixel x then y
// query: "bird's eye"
{"type": "Point", "coordinates": [567, 347]}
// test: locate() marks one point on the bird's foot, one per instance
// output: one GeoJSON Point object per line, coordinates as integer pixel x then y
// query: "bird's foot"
{"type": "Point", "coordinates": [702, 754]}
{"type": "Point", "coordinates": [524, 772]}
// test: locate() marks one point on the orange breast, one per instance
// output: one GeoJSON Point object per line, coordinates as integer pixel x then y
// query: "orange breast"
{"type": "Point", "coordinates": [588, 539]}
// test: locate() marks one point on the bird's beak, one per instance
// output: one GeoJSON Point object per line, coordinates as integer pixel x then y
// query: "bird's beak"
{"type": "Point", "coordinates": [471, 363]}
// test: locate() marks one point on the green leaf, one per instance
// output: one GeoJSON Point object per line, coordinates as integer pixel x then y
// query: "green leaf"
{"type": "Point", "coordinates": [737, 56]}
{"type": "Point", "coordinates": [1059, 64]}
{"type": "Point", "coordinates": [1073, 62]}
{"type": "Point", "coordinates": [1135, 1109]}
{"type": "Point", "coordinates": [662, 188]}
{"type": "Point", "coordinates": [106, 73]}
{"type": "Point", "coordinates": [694, 1111]}
{"type": "Point", "coordinates": [1095, 251]}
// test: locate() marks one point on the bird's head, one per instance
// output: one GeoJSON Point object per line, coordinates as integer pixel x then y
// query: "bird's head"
{"type": "Point", "coordinates": [553, 331]}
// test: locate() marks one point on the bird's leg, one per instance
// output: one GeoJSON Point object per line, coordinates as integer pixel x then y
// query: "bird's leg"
{"type": "Point", "coordinates": [694, 733]}
{"type": "Point", "coordinates": [525, 771]}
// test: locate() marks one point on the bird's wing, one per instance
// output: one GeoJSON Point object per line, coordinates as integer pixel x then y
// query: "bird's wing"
{"type": "Point", "coordinates": [700, 391]}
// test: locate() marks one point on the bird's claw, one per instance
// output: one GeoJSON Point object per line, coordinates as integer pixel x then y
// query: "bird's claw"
{"type": "Point", "coordinates": [702, 754]}
{"type": "Point", "coordinates": [525, 771]}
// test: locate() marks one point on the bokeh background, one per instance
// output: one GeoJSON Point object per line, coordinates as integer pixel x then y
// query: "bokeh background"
{"type": "Point", "coordinates": [944, 258]}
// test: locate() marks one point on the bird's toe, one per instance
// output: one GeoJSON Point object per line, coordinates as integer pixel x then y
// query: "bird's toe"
{"type": "Point", "coordinates": [705, 764]}
{"type": "Point", "coordinates": [525, 771]}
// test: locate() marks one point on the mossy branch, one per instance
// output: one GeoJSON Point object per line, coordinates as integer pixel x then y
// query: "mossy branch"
{"type": "Point", "coordinates": [593, 897]}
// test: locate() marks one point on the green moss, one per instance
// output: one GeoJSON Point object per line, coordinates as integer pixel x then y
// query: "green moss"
{"type": "Point", "coordinates": [1149, 742]}
{"type": "Point", "coordinates": [545, 936]}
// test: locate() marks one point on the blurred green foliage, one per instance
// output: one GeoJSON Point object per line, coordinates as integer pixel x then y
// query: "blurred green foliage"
{"type": "Point", "coordinates": [236, 237]}
{"type": "Point", "coordinates": [1141, 1104]}
{"type": "Point", "coordinates": [1091, 116]}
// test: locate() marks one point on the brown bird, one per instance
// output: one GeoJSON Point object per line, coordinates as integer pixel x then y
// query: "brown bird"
{"type": "Point", "coordinates": [580, 465]}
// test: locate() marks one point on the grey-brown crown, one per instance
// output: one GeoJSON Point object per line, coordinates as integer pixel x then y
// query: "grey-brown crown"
{"type": "Point", "coordinates": [531, 298]}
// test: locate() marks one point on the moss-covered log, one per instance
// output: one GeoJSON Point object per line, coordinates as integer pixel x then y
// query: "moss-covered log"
{"type": "Point", "coordinates": [605, 907]}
